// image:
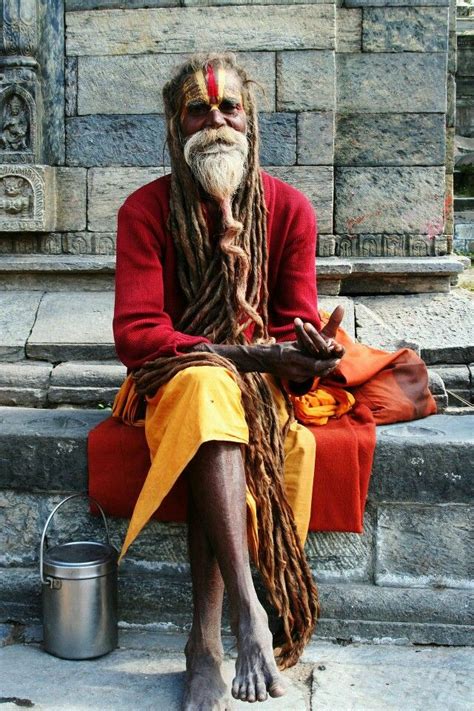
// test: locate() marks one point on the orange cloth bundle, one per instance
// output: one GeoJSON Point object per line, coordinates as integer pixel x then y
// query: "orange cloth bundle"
{"type": "Point", "coordinates": [321, 403]}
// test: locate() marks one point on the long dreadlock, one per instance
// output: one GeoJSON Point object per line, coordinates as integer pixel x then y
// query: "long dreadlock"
{"type": "Point", "coordinates": [225, 285]}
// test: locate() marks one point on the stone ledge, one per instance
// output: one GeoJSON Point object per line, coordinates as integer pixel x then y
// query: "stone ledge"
{"type": "Point", "coordinates": [47, 452]}
{"type": "Point", "coordinates": [57, 272]}
{"type": "Point", "coordinates": [347, 610]}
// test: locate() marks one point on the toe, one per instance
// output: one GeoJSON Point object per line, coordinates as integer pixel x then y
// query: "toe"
{"type": "Point", "coordinates": [261, 689]}
{"type": "Point", "coordinates": [243, 692]}
{"type": "Point", "coordinates": [235, 688]}
{"type": "Point", "coordinates": [276, 688]}
{"type": "Point", "coordinates": [251, 696]}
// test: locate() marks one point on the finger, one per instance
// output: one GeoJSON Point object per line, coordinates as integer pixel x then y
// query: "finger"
{"type": "Point", "coordinates": [334, 322]}
{"type": "Point", "coordinates": [325, 367]}
{"type": "Point", "coordinates": [320, 346]}
{"type": "Point", "coordinates": [304, 340]}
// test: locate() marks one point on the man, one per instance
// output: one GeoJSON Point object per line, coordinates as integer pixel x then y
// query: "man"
{"type": "Point", "coordinates": [216, 319]}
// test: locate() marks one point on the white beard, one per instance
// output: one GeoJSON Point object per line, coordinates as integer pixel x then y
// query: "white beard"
{"type": "Point", "coordinates": [217, 158]}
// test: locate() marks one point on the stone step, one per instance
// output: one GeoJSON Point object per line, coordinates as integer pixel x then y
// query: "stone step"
{"type": "Point", "coordinates": [356, 612]}
{"type": "Point", "coordinates": [355, 275]}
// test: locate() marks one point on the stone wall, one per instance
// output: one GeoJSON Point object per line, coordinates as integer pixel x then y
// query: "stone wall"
{"type": "Point", "coordinates": [356, 111]}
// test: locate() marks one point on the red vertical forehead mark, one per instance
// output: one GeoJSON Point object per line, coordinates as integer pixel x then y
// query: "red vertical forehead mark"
{"type": "Point", "coordinates": [211, 82]}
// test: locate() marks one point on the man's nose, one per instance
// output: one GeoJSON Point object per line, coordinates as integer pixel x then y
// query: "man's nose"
{"type": "Point", "coordinates": [215, 119]}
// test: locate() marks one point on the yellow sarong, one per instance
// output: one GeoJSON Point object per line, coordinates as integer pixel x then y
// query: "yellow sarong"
{"type": "Point", "coordinates": [202, 404]}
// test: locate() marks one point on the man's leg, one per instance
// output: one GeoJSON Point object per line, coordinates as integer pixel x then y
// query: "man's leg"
{"type": "Point", "coordinates": [205, 687]}
{"type": "Point", "coordinates": [217, 481]}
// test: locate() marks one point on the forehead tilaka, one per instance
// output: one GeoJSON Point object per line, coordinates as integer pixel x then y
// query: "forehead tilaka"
{"type": "Point", "coordinates": [211, 86]}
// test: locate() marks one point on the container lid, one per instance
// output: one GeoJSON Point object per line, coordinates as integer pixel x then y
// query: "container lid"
{"type": "Point", "coordinates": [80, 559]}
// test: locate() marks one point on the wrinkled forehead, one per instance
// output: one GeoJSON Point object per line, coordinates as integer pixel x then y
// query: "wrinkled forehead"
{"type": "Point", "coordinates": [212, 85]}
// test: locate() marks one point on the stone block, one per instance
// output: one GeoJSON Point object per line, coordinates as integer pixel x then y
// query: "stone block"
{"type": "Point", "coordinates": [371, 275]}
{"type": "Point", "coordinates": [108, 188]}
{"type": "Point", "coordinates": [449, 159]}
{"type": "Point", "coordinates": [389, 200]}
{"type": "Point", "coordinates": [348, 30]}
{"type": "Point", "coordinates": [424, 546]}
{"type": "Point", "coordinates": [405, 29]}
{"type": "Point", "coordinates": [50, 243]}
{"type": "Point", "coordinates": [451, 101]}
{"type": "Point", "coordinates": [442, 324]}
{"type": "Point", "coordinates": [70, 86]}
{"type": "Point", "coordinates": [71, 199]}
{"type": "Point", "coordinates": [299, 71]}
{"type": "Point", "coordinates": [435, 455]}
{"type": "Point", "coordinates": [326, 246]}
{"type": "Point", "coordinates": [391, 83]}
{"type": "Point", "coordinates": [62, 273]}
{"type": "Point", "coordinates": [85, 383]}
{"type": "Point", "coordinates": [390, 139]}
{"type": "Point", "coordinates": [277, 139]}
{"type": "Point", "coordinates": [395, 3]}
{"type": "Point", "coordinates": [200, 29]}
{"type": "Point", "coordinates": [73, 326]}
{"type": "Point", "coordinates": [27, 198]}
{"type": "Point", "coordinates": [133, 84]}
{"type": "Point", "coordinates": [115, 140]}
{"type": "Point", "coordinates": [71, 5]}
{"type": "Point", "coordinates": [48, 446]}
{"type": "Point", "coordinates": [342, 557]}
{"type": "Point", "coordinates": [316, 138]}
{"type": "Point", "coordinates": [17, 315]}
{"type": "Point", "coordinates": [317, 184]}
{"type": "Point", "coordinates": [24, 384]}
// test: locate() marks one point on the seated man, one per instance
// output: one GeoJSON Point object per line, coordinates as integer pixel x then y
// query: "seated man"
{"type": "Point", "coordinates": [216, 318]}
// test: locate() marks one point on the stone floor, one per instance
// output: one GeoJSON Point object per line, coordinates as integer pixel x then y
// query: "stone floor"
{"type": "Point", "coordinates": [146, 672]}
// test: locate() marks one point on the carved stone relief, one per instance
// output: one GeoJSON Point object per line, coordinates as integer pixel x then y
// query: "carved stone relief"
{"type": "Point", "coordinates": [26, 198]}
{"type": "Point", "coordinates": [18, 126]}
{"type": "Point", "coordinates": [394, 246]}
{"type": "Point", "coordinates": [370, 246]}
{"type": "Point", "coordinates": [326, 246]}
{"type": "Point", "coordinates": [19, 27]}
{"type": "Point", "coordinates": [420, 246]}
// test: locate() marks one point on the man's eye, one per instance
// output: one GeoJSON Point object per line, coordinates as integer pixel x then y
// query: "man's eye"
{"type": "Point", "coordinates": [198, 109]}
{"type": "Point", "coordinates": [228, 106]}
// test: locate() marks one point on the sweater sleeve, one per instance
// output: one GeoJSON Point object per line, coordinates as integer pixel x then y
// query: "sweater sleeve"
{"type": "Point", "coordinates": [295, 294]}
{"type": "Point", "coordinates": [143, 330]}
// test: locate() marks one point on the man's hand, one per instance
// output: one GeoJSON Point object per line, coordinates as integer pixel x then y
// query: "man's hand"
{"type": "Point", "coordinates": [320, 345]}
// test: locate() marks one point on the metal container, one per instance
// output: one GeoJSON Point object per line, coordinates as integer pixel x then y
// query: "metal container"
{"type": "Point", "coordinates": [79, 590]}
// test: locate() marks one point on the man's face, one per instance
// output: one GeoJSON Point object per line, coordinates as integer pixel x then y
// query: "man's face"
{"type": "Point", "coordinates": [212, 99]}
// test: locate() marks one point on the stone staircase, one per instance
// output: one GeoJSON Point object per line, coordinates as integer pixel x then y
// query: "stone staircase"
{"type": "Point", "coordinates": [406, 578]}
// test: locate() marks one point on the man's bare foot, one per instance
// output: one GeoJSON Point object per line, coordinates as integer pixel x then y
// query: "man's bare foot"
{"type": "Point", "coordinates": [205, 689]}
{"type": "Point", "coordinates": [256, 673]}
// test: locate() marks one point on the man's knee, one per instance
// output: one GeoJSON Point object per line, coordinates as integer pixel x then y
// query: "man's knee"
{"type": "Point", "coordinates": [203, 377]}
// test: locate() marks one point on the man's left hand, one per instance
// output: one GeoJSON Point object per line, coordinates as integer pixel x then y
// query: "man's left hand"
{"type": "Point", "coordinates": [323, 344]}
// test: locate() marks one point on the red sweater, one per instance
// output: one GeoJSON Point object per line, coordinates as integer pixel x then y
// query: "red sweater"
{"type": "Point", "coordinates": [148, 298]}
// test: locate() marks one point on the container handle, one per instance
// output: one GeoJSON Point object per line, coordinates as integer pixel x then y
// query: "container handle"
{"type": "Point", "coordinates": [44, 580]}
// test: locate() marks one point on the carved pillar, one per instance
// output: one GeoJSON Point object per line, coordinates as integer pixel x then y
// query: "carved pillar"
{"type": "Point", "coordinates": [27, 194]}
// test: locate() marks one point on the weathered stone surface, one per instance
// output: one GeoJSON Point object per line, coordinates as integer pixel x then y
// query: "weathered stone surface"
{"type": "Point", "coordinates": [424, 545]}
{"type": "Point", "coordinates": [108, 188]}
{"type": "Point", "coordinates": [316, 138]}
{"type": "Point", "coordinates": [382, 675]}
{"type": "Point", "coordinates": [27, 195]}
{"type": "Point", "coordinates": [57, 273]}
{"type": "Point", "coordinates": [394, 3]}
{"type": "Point", "coordinates": [71, 199]}
{"type": "Point", "coordinates": [435, 456]}
{"type": "Point", "coordinates": [48, 447]}
{"type": "Point", "coordinates": [50, 56]}
{"type": "Point", "coordinates": [449, 155]}
{"type": "Point", "coordinates": [70, 86]}
{"type": "Point", "coordinates": [406, 29]}
{"type": "Point", "coordinates": [17, 316]}
{"type": "Point", "coordinates": [316, 183]}
{"type": "Point", "coordinates": [277, 139]}
{"type": "Point", "coordinates": [24, 384]}
{"type": "Point", "coordinates": [451, 101]}
{"type": "Point", "coordinates": [73, 326]}
{"type": "Point", "coordinates": [86, 383]}
{"type": "Point", "coordinates": [199, 30]}
{"type": "Point", "coordinates": [133, 84]}
{"type": "Point", "coordinates": [89, 243]}
{"type": "Point", "coordinates": [443, 325]}
{"type": "Point", "coordinates": [391, 83]}
{"type": "Point", "coordinates": [117, 4]}
{"type": "Point", "coordinates": [392, 245]}
{"type": "Point", "coordinates": [342, 557]}
{"type": "Point", "coordinates": [348, 30]}
{"type": "Point", "coordinates": [296, 71]}
{"type": "Point", "coordinates": [389, 200]}
{"type": "Point", "coordinates": [455, 377]}
{"type": "Point", "coordinates": [388, 140]}
{"type": "Point", "coordinates": [115, 140]}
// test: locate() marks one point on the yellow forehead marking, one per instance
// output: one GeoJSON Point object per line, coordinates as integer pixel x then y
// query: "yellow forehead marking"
{"type": "Point", "coordinates": [210, 88]}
